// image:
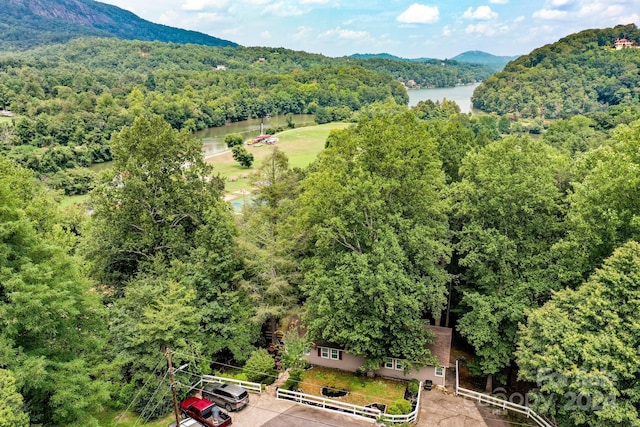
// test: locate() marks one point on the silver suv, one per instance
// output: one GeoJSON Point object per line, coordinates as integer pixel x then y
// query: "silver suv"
{"type": "Point", "coordinates": [230, 396]}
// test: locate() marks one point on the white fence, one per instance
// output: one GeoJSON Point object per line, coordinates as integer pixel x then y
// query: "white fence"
{"type": "Point", "coordinates": [362, 412]}
{"type": "Point", "coordinates": [500, 403]}
{"type": "Point", "coordinates": [254, 387]}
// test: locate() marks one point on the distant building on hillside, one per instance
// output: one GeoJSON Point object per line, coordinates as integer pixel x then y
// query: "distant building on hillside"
{"type": "Point", "coordinates": [624, 43]}
{"type": "Point", "coordinates": [6, 113]}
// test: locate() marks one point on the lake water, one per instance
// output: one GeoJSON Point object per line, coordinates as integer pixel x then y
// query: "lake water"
{"type": "Point", "coordinates": [213, 138]}
{"type": "Point", "coordinates": [461, 95]}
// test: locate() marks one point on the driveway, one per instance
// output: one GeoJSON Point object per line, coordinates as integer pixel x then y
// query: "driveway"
{"type": "Point", "coordinates": [440, 408]}
{"type": "Point", "coordinates": [265, 411]}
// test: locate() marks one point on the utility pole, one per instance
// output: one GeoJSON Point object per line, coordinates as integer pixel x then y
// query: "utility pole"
{"type": "Point", "coordinates": [173, 387]}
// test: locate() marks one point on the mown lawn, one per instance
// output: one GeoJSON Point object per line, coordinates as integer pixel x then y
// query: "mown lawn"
{"type": "Point", "coordinates": [362, 390]}
{"type": "Point", "coordinates": [301, 146]}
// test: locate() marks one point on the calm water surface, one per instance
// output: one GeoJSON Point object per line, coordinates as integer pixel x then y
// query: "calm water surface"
{"type": "Point", "coordinates": [213, 138]}
{"type": "Point", "coordinates": [461, 95]}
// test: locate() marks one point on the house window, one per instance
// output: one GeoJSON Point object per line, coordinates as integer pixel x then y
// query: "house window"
{"type": "Point", "coordinates": [439, 371]}
{"type": "Point", "coordinates": [330, 353]}
{"type": "Point", "coordinates": [388, 363]}
{"type": "Point", "coordinates": [393, 363]}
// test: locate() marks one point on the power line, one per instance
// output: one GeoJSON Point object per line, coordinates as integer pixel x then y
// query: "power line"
{"type": "Point", "coordinates": [138, 394]}
{"type": "Point", "coordinates": [160, 400]}
{"type": "Point", "coordinates": [151, 398]}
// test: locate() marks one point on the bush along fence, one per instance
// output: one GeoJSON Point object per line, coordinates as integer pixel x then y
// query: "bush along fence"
{"type": "Point", "coordinates": [361, 412]}
{"type": "Point", "coordinates": [486, 399]}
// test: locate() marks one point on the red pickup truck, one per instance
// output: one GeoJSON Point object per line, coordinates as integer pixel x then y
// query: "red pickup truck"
{"type": "Point", "coordinates": [205, 412]}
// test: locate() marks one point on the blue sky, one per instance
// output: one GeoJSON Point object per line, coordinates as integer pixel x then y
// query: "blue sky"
{"type": "Point", "coordinates": [432, 29]}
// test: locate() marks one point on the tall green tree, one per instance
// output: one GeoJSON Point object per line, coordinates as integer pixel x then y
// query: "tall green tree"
{"type": "Point", "coordinates": [372, 227]}
{"type": "Point", "coordinates": [582, 347]}
{"type": "Point", "coordinates": [242, 156]}
{"type": "Point", "coordinates": [11, 403]}
{"type": "Point", "coordinates": [509, 205]}
{"type": "Point", "coordinates": [268, 270]}
{"type": "Point", "coordinates": [151, 204]}
{"type": "Point", "coordinates": [604, 205]}
{"type": "Point", "coordinates": [51, 318]}
{"type": "Point", "coordinates": [162, 242]}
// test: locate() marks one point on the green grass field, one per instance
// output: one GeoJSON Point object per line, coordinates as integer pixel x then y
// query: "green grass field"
{"type": "Point", "coordinates": [362, 391]}
{"type": "Point", "coordinates": [4, 119]}
{"type": "Point", "coordinates": [301, 146]}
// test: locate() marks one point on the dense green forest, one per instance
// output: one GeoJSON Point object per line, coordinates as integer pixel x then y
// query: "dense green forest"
{"type": "Point", "coordinates": [70, 98]}
{"type": "Point", "coordinates": [579, 74]}
{"type": "Point", "coordinates": [525, 244]}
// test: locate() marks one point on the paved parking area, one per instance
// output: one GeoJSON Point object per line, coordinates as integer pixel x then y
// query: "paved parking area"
{"type": "Point", "coordinates": [441, 409]}
{"type": "Point", "coordinates": [264, 410]}
{"type": "Point", "coordinates": [438, 408]}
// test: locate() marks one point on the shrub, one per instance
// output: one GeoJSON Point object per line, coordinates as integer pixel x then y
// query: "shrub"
{"type": "Point", "coordinates": [295, 376]}
{"type": "Point", "coordinates": [413, 387]}
{"type": "Point", "coordinates": [233, 140]}
{"type": "Point", "coordinates": [273, 131]}
{"type": "Point", "coordinates": [399, 407]}
{"type": "Point", "coordinates": [242, 376]}
{"type": "Point", "coordinates": [260, 367]}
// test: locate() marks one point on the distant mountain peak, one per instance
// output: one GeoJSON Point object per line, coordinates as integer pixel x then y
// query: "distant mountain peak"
{"type": "Point", "coordinates": [480, 57]}
{"type": "Point", "coordinates": [29, 23]}
{"type": "Point", "coordinates": [66, 10]}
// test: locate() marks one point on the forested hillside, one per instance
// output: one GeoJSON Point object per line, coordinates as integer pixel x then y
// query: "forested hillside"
{"type": "Point", "coordinates": [27, 24]}
{"type": "Point", "coordinates": [69, 98]}
{"type": "Point", "coordinates": [578, 74]}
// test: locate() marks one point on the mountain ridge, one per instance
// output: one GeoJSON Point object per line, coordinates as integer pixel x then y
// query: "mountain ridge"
{"type": "Point", "coordinates": [469, 57]}
{"type": "Point", "coordinates": [29, 23]}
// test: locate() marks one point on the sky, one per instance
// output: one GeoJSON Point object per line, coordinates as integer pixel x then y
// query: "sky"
{"type": "Point", "coordinates": [409, 29]}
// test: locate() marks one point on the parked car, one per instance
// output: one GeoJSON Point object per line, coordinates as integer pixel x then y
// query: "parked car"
{"type": "Point", "coordinates": [187, 422]}
{"type": "Point", "coordinates": [205, 412]}
{"type": "Point", "coordinates": [230, 396]}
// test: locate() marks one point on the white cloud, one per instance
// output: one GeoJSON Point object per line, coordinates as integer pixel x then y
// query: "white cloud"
{"type": "Point", "coordinates": [282, 9]}
{"type": "Point", "coordinates": [303, 33]}
{"type": "Point", "coordinates": [419, 14]}
{"type": "Point", "coordinates": [519, 19]}
{"type": "Point", "coordinates": [446, 31]}
{"type": "Point", "coordinates": [347, 34]}
{"type": "Point", "coordinates": [614, 13]}
{"type": "Point", "coordinates": [486, 29]}
{"type": "Point", "coordinates": [560, 3]}
{"type": "Point", "coordinates": [198, 5]}
{"type": "Point", "coordinates": [498, 1]}
{"type": "Point", "coordinates": [550, 14]}
{"type": "Point", "coordinates": [314, 1]}
{"type": "Point", "coordinates": [482, 13]}
{"type": "Point", "coordinates": [265, 35]}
